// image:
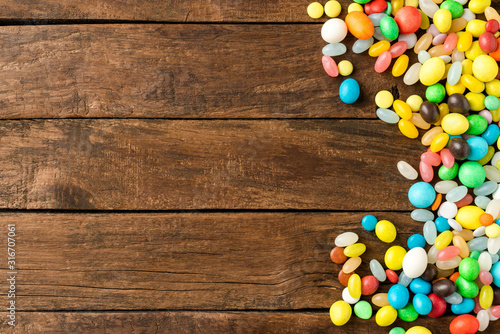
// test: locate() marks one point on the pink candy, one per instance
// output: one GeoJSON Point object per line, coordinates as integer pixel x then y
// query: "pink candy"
{"type": "Point", "coordinates": [450, 42]}
{"type": "Point", "coordinates": [383, 62]}
{"type": "Point", "coordinates": [397, 49]}
{"type": "Point", "coordinates": [485, 277]}
{"type": "Point", "coordinates": [426, 171]}
{"type": "Point", "coordinates": [447, 253]}
{"type": "Point", "coordinates": [447, 158]}
{"type": "Point", "coordinates": [431, 158]}
{"type": "Point", "coordinates": [330, 66]}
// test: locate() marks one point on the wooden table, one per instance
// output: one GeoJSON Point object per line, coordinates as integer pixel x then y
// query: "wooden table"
{"type": "Point", "coordinates": [185, 166]}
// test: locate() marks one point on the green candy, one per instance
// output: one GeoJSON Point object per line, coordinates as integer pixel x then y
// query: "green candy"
{"type": "Point", "coordinates": [455, 8]}
{"type": "Point", "coordinates": [469, 269]}
{"type": "Point", "coordinates": [445, 173]}
{"type": "Point", "coordinates": [435, 93]}
{"type": "Point", "coordinates": [477, 124]}
{"type": "Point", "coordinates": [408, 313]}
{"type": "Point", "coordinates": [362, 1]}
{"type": "Point", "coordinates": [475, 254]}
{"type": "Point", "coordinates": [471, 174]}
{"type": "Point", "coordinates": [466, 288]}
{"type": "Point", "coordinates": [397, 330]}
{"type": "Point", "coordinates": [491, 102]}
{"type": "Point", "coordinates": [388, 10]}
{"type": "Point", "coordinates": [389, 28]}
{"type": "Point", "coordinates": [363, 309]}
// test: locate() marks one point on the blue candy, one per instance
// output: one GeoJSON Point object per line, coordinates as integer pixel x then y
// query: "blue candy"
{"type": "Point", "coordinates": [491, 134]}
{"type": "Point", "coordinates": [369, 222]}
{"type": "Point", "coordinates": [419, 285]}
{"type": "Point", "coordinates": [495, 272]}
{"type": "Point", "coordinates": [478, 147]}
{"type": "Point", "coordinates": [422, 195]}
{"type": "Point", "coordinates": [349, 91]}
{"type": "Point", "coordinates": [442, 224]}
{"type": "Point", "coordinates": [422, 304]}
{"type": "Point", "coordinates": [416, 240]}
{"type": "Point", "coordinates": [398, 296]}
{"type": "Point", "coordinates": [466, 306]}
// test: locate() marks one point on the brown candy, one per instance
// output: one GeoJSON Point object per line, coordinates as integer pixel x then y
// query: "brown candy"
{"type": "Point", "coordinates": [337, 255]}
{"type": "Point", "coordinates": [344, 278]}
{"type": "Point", "coordinates": [443, 287]}
{"type": "Point", "coordinates": [430, 273]}
{"type": "Point", "coordinates": [429, 112]}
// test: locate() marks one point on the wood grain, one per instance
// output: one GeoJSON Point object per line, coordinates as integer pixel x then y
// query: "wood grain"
{"type": "Point", "coordinates": [184, 261]}
{"type": "Point", "coordinates": [178, 71]}
{"type": "Point", "coordinates": [205, 322]}
{"type": "Point", "coordinates": [179, 164]}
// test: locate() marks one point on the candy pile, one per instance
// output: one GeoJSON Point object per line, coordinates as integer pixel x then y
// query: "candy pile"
{"type": "Point", "coordinates": [453, 265]}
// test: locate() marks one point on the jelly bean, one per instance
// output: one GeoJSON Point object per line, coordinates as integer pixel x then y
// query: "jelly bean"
{"type": "Point", "coordinates": [377, 270]}
{"type": "Point", "coordinates": [492, 231]}
{"type": "Point", "coordinates": [439, 39]}
{"type": "Point", "coordinates": [354, 286]}
{"type": "Point", "coordinates": [448, 253]}
{"type": "Point", "coordinates": [330, 66]}
{"type": "Point", "coordinates": [416, 240]}
{"type": "Point", "coordinates": [478, 6]}
{"type": "Point", "coordinates": [430, 273]}
{"type": "Point", "coordinates": [351, 264]}
{"type": "Point", "coordinates": [443, 187]}
{"type": "Point", "coordinates": [414, 262]}
{"type": "Point", "coordinates": [492, 173]}
{"type": "Point", "coordinates": [464, 323]}
{"type": "Point", "coordinates": [369, 285]}
{"type": "Point", "coordinates": [485, 261]}
{"type": "Point", "coordinates": [465, 306]}
{"type": "Point", "coordinates": [380, 300]}
{"type": "Point", "coordinates": [397, 49]}
{"type": "Point", "coordinates": [410, 39]}
{"type": "Point", "coordinates": [484, 68]}
{"type": "Point", "coordinates": [451, 41]}
{"type": "Point", "coordinates": [386, 316]}
{"type": "Point", "coordinates": [428, 7]}
{"type": "Point", "coordinates": [456, 193]}
{"type": "Point", "coordinates": [443, 288]}
{"type": "Point", "coordinates": [418, 330]}
{"type": "Point", "coordinates": [345, 68]}
{"type": "Point", "coordinates": [439, 142]}
{"type": "Point", "coordinates": [483, 319]}
{"type": "Point", "coordinates": [349, 91]}
{"type": "Point", "coordinates": [471, 83]}
{"type": "Point", "coordinates": [493, 88]}
{"type": "Point", "coordinates": [361, 45]}
{"type": "Point", "coordinates": [454, 224]}
{"type": "Point", "coordinates": [430, 232]}
{"type": "Point", "coordinates": [459, 88]}
{"type": "Point", "coordinates": [493, 208]}
{"type": "Point", "coordinates": [383, 62]}
{"type": "Point", "coordinates": [442, 19]}
{"type": "Point", "coordinates": [334, 49]}
{"type": "Point", "coordinates": [359, 25]}
{"type": "Point", "coordinates": [447, 158]}
{"type": "Point", "coordinates": [408, 313]}
{"type": "Point", "coordinates": [487, 188]}
{"type": "Point", "coordinates": [363, 309]}
{"type": "Point", "coordinates": [344, 278]}
{"type": "Point", "coordinates": [454, 298]}
{"type": "Point", "coordinates": [385, 231]}
{"type": "Point", "coordinates": [398, 296]}
{"type": "Point", "coordinates": [495, 272]}
{"type": "Point", "coordinates": [466, 288]}
{"type": "Point", "coordinates": [421, 194]}
{"type": "Point", "coordinates": [438, 306]}
{"type": "Point", "coordinates": [407, 128]}
{"type": "Point", "coordinates": [346, 239]}
{"type": "Point", "coordinates": [407, 170]}
{"type": "Point", "coordinates": [426, 171]}
{"type": "Point", "coordinates": [422, 304]}
{"type": "Point", "coordinates": [491, 14]}
{"type": "Point", "coordinates": [315, 10]}
{"type": "Point", "coordinates": [495, 311]}
{"type": "Point", "coordinates": [468, 15]}
{"type": "Point", "coordinates": [487, 115]}
{"type": "Point", "coordinates": [459, 242]}
{"type": "Point", "coordinates": [422, 215]}
{"type": "Point", "coordinates": [354, 250]}
{"type": "Point", "coordinates": [346, 296]}
{"type": "Point", "coordinates": [443, 239]}
{"type": "Point", "coordinates": [423, 43]}
{"type": "Point", "coordinates": [431, 158]}
{"type": "Point", "coordinates": [412, 75]}
{"type": "Point", "coordinates": [474, 52]}
{"type": "Point", "coordinates": [479, 243]}
{"type": "Point", "coordinates": [378, 48]}
{"type": "Point", "coordinates": [334, 30]}
{"type": "Point", "coordinates": [454, 73]}
{"type": "Point", "coordinates": [493, 245]}
{"type": "Point", "coordinates": [332, 8]}
{"type": "Point", "coordinates": [394, 257]}
{"type": "Point", "coordinates": [464, 41]}
{"type": "Point", "coordinates": [340, 313]}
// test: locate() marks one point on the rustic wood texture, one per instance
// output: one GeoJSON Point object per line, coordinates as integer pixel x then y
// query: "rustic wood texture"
{"type": "Point", "coordinates": [205, 322]}
{"type": "Point", "coordinates": [216, 261]}
{"type": "Point", "coordinates": [178, 164]}
{"type": "Point", "coordinates": [178, 71]}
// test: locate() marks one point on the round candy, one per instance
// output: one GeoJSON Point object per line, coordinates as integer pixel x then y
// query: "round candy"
{"type": "Point", "coordinates": [408, 19]}
{"type": "Point", "coordinates": [418, 285]}
{"type": "Point", "coordinates": [468, 216]}
{"type": "Point", "coordinates": [457, 103]}
{"type": "Point", "coordinates": [438, 306]}
{"type": "Point", "coordinates": [435, 93]}
{"type": "Point", "coordinates": [349, 90]}
{"type": "Point", "coordinates": [415, 240]}
{"type": "Point", "coordinates": [478, 147]}
{"type": "Point", "coordinates": [464, 324]}
{"type": "Point", "coordinates": [369, 285]}
{"type": "Point", "coordinates": [397, 330]}
{"type": "Point", "coordinates": [333, 8]}
{"type": "Point", "coordinates": [315, 10]}
{"type": "Point", "coordinates": [384, 99]}
{"type": "Point", "coordinates": [363, 309]}
{"type": "Point", "coordinates": [477, 124]}
{"type": "Point", "coordinates": [369, 222]}
{"type": "Point", "coordinates": [455, 123]}
{"type": "Point", "coordinates": [345, 68]}
{"type": "Point", "coordinates": [459, 148]}
{"type": "Point", "coordinates": [334, 30]}
{"type": "Point", "coordinates": [454, 7]}
{"type": "Point", "coordinates": [485, 68]}
{"type": "Point", "coordinates": [415, 262]}
{"type": "Point", "coordinates": [340, 312]}
{"type": "Point", "coordinates": [471, 174]}
{"type": "Point", "coordinates": [359, 25]}
{"type": "Point", "coordinates": [337, 255]}
{"type": "Point", "coordinates": [394, 257]}
{"type": "Point", "coordinates": [418, 330]}
{"type": "Point", "coordinates": [429, 111]}
{"type": "Point", "coordinates": [385, 231]}
{"type": "Point", "coordinates": [422, 194]}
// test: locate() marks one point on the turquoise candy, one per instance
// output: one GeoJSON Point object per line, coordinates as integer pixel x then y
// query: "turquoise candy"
{"type": "Point", "coordinates": [419, 285]}
{"type": "Point", "coordinates": [475, 254]}
{"type": "Point", "coordinates": [487, 188]}
{"type": "Point", "coordinates": [389, 28]}
{"type": "Point", "coordinates": [369, 222]}
{"type": "Point", "coordinates": [491, 102]}
{"type": "Point", "coordinates": [421, 195]}
{"type": "Point", "coordinates": [334, 49]}
{"type": "Point", "coordinates": [422, 304]}
{"type": "Point", "coordinates": [454, 73]}
{"type": "Point", "coordinates": [495, 272]}
{"type": "Point", "coordinates": [478, 147]}
{"type": "Point", "coordinates": [376, 17]}
{"type": "Point", "coordinates": [416, 240]}
{"type": "Point", "coordinates": [404, 280]}
{"type": "Point", "coordinates": [361, 45]}
{"type": "Point", "coordinates": [494, 258]}
{"type": "Point", "coordinates": [408, 313]}
{"type": "Point", "coordinates": [466, 288]}
{"type": "Point", "coordinates": [387, 115]}
{"type": "Point", "coordinates": [398, 296]}
{"type": "Point", "coordinates": [478, 244]}
{"type": "Point", "coordinates": [430, 232]}
{"type": "Point", "coordinates": [349, 91]}
{"type": "Point", "coordinates": [455, 8]}
{"type": "Point", "coordinates": [363, 309]}
{"type": "Point", "coordinates": [442, 224]}
{"type": "Point", "coordinates": [469, 269]}
{"type": "Point", "coordinates": [491, 134]}
{"type": "Point", "coordinates": [471, 174]}
{"type": "Point", "coordinates": [422, 215]}
{"type": "Point", "coordinates": [466, 306]}
{"type": "Point", "coordinates": [477, 124]}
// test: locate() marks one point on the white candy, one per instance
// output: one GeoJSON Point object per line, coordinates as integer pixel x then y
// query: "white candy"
{"type": "Point", "coordinates": [334, 30]}
{"type": "Point", "coordinates": [468, 15]}
{"type": "Point", "coordinates": [484, 320]}
{"type": "Point", "coordinates": [443, 187]}
{"type": "Point", "coordinates": [485, 261]}
{"type": "Point", "coordinates": [415, 262]}
{"type": "Point", "coordinates": [493, 245]}
{"type": "Point", "coordinates": [455, 225]}
{"type": "Point", "coordinates": [345, 239]}
{"type": "Point", "coordinates": [346, 296]}
{"type": "Point", "coordinates": [448, 210]}
{"type": "Point", "coordinates": [407, 170]}
{"type": "Point", "coordinates": [410, 39]}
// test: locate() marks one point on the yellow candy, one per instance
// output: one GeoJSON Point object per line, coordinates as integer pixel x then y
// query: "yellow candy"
{"type": "Point", "coordinates": [385, 231]}
{"type": "Point", "coordinates": [443, 239]}
{"type": "Point", "coordinates": [345, 68]}
{"type": "Point", "coordinates": [493, 87]}
{"type": "Point", "coordinates": [340, 312]}
{"type": "Point", "coordinates": [467, 66]}
{"type": "Point", "coordinates": [332, 8]}
{"type": "Point", "coordinates": [471, 83]}
{"type": "Point", "coordinates": [396, 5]}
{"type": "Point", "coordinates": [442, 20]}
{"type": "Point", "coordinates": [400, 66]}
{"type": "Point", "coordinates": [468, 216]}
{"type": "Point", "coordinates": [452, 89]}
{"type": "Point", "coordinates": [439, 142]}
{"type": "Point", "coordinates": [315, 10]}
{"type": "Point", "coordinates": [384, 99]}
{"type": "Point", "coordinates": [414, 101]}
{"type": "Point", "coordinates": [407, 128]}
{"type": "Point", "coordinates": [402, 109]}
{"type": "Point", "coordinates": [455, 124]}
{"type": "Point", "coordinates": [432, 71]}
{"type": "Point", "coordinates": [386, 316]}
{"type": "Point", "coordinates": [464, 41]}
{"type": "Point", "coordinates": [412, 3]}
{"type": "Point", "coordinates": [486, 295]}
{"type": "Point", "coordinates": [492, 231]}
{"type": "Point", "coordinates": [474, 51]}
{"type": "Point", "coordinates": [478, 7]}
{"type": "Point", "coordinates": [484, 68]}
{"type": "Point", "coordinates": [354, 286]}
{"type": "Point", "coordinates": [476, 27]}
{"type": "Point", "coordinates": [355, 7]}
{"type": "Point", "coordinates": [495, 114]}
{"type": "Point", "coordinates": [355, 250]}
{"type": "Point", "coordinates": [425, 21]}
{"type": "Point", "coordinates": [394, 257]}
{"type": "Point", "coordinates": [418, 330]}
{"type": "Point", "coordinates": [476, 101]}
{"type": "Point", "coordinates": [376, 49]}
{"type": "Point", "coordinates": [443, 111]}
{"type": "Point", "coordinates": [483, 161]}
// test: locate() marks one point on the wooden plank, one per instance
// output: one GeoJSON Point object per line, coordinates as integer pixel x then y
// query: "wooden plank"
{"type": "Point", "coordinates": [174, 71]}
{"type": "Point", "coordinates": [218, 261]}
{"type": "Point", "coordinates": [179, 164]}
{"type": "Point", "coordinates": [205, 322]}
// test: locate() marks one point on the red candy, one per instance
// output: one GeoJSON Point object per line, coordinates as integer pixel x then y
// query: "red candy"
{"type": "Point", "coordinates": [408, 19]}
{"type": "Point", "coordinates": [368, 8]}
{"type": "Point", "coordinates": [392, 276]}
{"type": "Point", "coordinates": [398, 48]}
{"type": "Point", "coordinates": [487, 42]}
{"type": "Point", "coordinates": [438, 306]}
{"type": "Point", "coordinates": [447, 158]}
{"type": "Point", "coordinates": [431, 158]}
{"type": "Point", "coordinates": [378, 6]}
{"type": "Point", "coordinates": [330, 66]}
{"type": "Point", "coordinates": [383, 62]}
{"type": "Point", "coordinates": [492, 26]}
{"type": "Point", "coordinates": [450, 42]}
{"type": "Point", "coordinates": [464, 201]}
{"type": "Point", "coordinates": [464, 324]}
{"type": "Point", "coordinates": [426, 171]}
{"type": "Point", "coordinates": [447, 253]}
{"type": "Point", "coordinates": [369, 284]}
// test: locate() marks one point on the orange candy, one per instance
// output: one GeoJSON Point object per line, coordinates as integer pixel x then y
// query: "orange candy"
{"type": "Point", "coordinates": [486, 219]}
{"type": "Point", "coordinates": [344, 278]}
{"type": "Point", "coordinates": [337, 255]}
{"type": "Point", "coordinates": [454, 276]}
{"type": "Point", "coordinates": [437, 202]}
{"type": "Point", "coordinates": [359, 25]}
{"type": "Point", "coordinates": [496, 54]}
